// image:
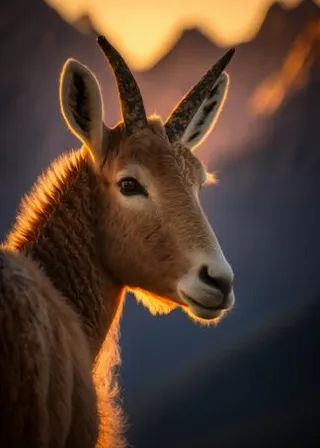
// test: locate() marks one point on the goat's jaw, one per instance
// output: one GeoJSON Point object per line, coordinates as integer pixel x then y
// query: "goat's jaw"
{"type": "Point", "coordinates": [197, 310]}
{"type": "Point", "coordinates": [203, 301]}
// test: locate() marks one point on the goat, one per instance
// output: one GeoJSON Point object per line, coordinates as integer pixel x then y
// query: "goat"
{"type": "Point", "coordinates": [120, 214]}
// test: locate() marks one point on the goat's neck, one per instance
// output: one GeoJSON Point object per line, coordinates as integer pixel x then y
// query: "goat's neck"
{"type": "Point", "coordinates": [63, 233]}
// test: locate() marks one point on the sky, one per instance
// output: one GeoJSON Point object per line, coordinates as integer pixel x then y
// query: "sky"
{"type": "Point", "coordinates": [144, 32]}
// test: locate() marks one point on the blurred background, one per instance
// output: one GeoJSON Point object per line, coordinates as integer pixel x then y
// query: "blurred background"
{"type": "Point", "coordinates": [252, 381]}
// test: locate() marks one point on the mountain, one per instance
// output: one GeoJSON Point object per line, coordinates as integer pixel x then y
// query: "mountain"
{"type": "Point", "coordinates": [255, 61]}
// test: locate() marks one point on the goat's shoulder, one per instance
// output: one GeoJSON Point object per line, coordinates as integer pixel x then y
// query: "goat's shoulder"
{"type": "Point", "coordinates": [42, 343]}
{"type": "Point", "coordinates": [33, 308]}
{"type": "Point", "coordinates": [35, 320]}
{"type": "Point", "coordinates": [26, 294]}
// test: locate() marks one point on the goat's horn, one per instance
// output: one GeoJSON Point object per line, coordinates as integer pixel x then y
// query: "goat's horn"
{"type": "Point", "coordinates": [183, 113]}
{"type": "Point", "coordinates": [132, 107]}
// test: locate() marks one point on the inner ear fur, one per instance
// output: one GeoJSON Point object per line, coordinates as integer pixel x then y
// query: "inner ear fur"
{"type": "Point", "coordinates": [205, 119]}
{"type": "Point", "coordinates": [82, 105]}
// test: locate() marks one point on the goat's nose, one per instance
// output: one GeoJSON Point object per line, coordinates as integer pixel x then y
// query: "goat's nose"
{"type": "Point", "coordinates": [220, 282]}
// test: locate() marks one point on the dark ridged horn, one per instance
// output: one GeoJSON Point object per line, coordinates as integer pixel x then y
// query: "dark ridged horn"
{"type": "Point", "coordinates": [132, 107]}
{"type": "Point", "coordinates": [183, 113]}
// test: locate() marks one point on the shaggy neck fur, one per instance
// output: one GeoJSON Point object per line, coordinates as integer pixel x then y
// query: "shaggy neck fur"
{"type": "Point", "coordinates": [59, 227]}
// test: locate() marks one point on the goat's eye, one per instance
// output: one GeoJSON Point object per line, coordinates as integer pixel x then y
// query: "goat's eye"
{"type": "Point", "coordinates": [131, 187]}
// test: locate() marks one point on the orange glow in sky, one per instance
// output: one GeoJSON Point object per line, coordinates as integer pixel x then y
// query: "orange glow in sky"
{"type": "Point", "coordinates": [144, 30]}
{"type": "Point", "coordinates": [292, 75]}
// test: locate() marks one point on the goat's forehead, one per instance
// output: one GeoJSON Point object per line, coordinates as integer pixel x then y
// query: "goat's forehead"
{"type": "Point", "coordinates": [159, 157]}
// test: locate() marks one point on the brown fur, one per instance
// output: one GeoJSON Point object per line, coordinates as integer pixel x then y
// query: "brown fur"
{"type": "Point", "coordinates": [58, 229]}
{"type": "Point", "coordinates": [56, 269]}
{"type": "Point", "coordinates": [78, 244]}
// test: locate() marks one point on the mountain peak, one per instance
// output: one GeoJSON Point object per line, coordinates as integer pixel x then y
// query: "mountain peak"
{"type": "Point", "coordinates": [194, 36]}
{"type": "Point", "coordinates": [191, 41]}
{"type": "Point", "coordinates": [84, 24]}
{"type": "Point", "coordinates": [281, 20]}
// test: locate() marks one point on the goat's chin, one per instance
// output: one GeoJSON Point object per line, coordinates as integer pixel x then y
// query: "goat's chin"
{"type": "Point", "coordinates": [155, 304]}
{"type": "Point", "coordinates": [204, 317]}
{"type": "Point", "coordinates": [161, 305]}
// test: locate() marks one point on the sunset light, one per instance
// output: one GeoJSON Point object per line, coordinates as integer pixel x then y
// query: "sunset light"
{"type": "Point", "coordinates": [293, 74]}
{"type": "Point", "coordinates": [144, 31]}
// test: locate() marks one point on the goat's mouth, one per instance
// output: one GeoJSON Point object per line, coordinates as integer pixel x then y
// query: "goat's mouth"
{"type": "Point", "coordinates": [200, 310]}
{"type": "Point", "coordinates": [196, 303]}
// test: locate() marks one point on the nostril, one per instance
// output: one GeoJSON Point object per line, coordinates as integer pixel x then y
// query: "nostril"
{"type": "Point", "coordinates": [216, 282]}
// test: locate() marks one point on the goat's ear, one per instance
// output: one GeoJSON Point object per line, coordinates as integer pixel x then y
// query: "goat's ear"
{"type": "Point", "coordinates": [81, 105]}
{"type": "Point", "coordinates": [206, 116]}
